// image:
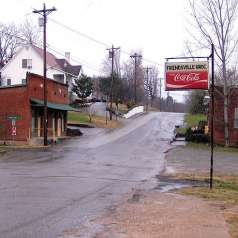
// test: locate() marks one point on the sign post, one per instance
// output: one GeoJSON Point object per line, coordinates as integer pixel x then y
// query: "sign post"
{"type": "Point", "coordinates": [212, 117]}
{"type": "Point", "coordinates": [189, 76]}
{"type": "Point", "coordinates": [13, 120]}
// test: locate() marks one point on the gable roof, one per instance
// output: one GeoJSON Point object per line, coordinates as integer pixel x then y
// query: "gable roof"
{"type": "Point", "coordinates": [61, 64]}
{"type": "Point", "coordinates": [50, 58]}
{"type": "Point", "coordinates": [68, 68]}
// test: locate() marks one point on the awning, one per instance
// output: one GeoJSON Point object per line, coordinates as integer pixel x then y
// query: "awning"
{"type": "Point", "coordinates": [56, 106]}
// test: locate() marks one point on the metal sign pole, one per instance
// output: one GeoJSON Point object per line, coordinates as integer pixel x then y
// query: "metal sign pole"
{"type": "Point", "coordinates": [212, 117]}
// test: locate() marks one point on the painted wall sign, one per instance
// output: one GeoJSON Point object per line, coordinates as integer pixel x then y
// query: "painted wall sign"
{"type": "Point", "coordinates": [186, 75]}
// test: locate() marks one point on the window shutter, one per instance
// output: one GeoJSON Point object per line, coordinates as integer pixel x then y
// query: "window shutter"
{"type": "Point", "coordinates": [24, 63]}
{"type": "Point", "coordinates": [9, 82]}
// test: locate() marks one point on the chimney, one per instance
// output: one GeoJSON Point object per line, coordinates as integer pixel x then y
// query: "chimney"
{"type": "Point", "coordinates": [67, 56]}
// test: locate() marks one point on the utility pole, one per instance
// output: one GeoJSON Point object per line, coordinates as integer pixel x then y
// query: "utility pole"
{"type": "Point", "coordinates": [111, 56]}
{"type": "Point", "coordinates": [212, 116]}
{"type": "Point", "coordinates": [147, 69]}
{"type": "Point", "coordinates": [135, 57]}
{"type": "Point", "coordinates": [160, 96]}
{"type": "Point", "coordinates": [45, 12]}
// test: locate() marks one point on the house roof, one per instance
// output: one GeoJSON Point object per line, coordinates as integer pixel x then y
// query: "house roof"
{"type": "Point", "coordinates": [68, 68]}
{"type": "Point", "coordinates": [61, 64]}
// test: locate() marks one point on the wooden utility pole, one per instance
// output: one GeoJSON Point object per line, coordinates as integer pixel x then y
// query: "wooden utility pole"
{"type": "Point", "coordinates": [160, 91]}
{"type": "Point", "coordinates": [111, 56]}
{"type": "Point", "coordinates": [45, 12]}
{"type": "Point", "coordinates": [135, 57]}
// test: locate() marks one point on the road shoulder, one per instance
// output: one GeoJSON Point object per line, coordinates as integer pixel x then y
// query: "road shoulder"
{"type": "Point", "coordinates": [152, 213]}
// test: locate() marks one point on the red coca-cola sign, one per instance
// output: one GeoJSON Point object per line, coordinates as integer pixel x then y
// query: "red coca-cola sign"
{"type": "Point", "coordinates": [183, 76]}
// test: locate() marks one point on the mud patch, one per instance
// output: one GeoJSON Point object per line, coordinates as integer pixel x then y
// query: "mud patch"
{"type": "Point", "coordinates": [136, 197]}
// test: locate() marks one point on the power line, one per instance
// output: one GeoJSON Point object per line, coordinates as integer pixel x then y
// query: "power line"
{"type": "Point", "coordinates": [190, 52]}
{"type": "Point", "coordinates": [98, 41]}
{"type": "Point", "coordinates": [76, 60]}
{"type": "Point", "coordinates": [80, 33]}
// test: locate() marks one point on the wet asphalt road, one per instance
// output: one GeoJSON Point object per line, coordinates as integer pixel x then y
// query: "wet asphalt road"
{"type": "Point", "coordinates": [45, 192]}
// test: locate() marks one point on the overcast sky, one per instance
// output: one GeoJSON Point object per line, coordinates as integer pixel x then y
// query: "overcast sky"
{"type": "Point", "coordinates": [156, 27]}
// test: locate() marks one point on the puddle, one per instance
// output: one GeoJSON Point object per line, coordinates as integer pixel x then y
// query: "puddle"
{"type": "Point", "coordinates": [166, 184]}
{"type": "Point", "coordinates": [166, 187]}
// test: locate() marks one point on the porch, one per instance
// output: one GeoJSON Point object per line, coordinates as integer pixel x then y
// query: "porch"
{"type": "Point", "coordinates": [56, 120]}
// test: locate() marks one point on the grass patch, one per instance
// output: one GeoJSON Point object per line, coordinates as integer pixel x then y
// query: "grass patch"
{"type": "Point", "coordinates": [181, 130]}
{"type": "Point", "coordinates": [217, 148]}
{"type": "Point", "coordinates": [78, 117]}
{"type": "Point", "coordinates": [190, 120]}
{"type": "Point", "coordinates": [101, 122]}
{"type": "Point", "coordinates": [98, 121]}
{"type": "Point", "coordinates": [225, 191]}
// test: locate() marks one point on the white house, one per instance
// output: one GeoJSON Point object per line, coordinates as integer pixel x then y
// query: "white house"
{"type": "Point", "coordinates": [29, 58]}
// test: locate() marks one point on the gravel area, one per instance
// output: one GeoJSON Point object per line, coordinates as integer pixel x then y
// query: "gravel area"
{"type": "Point", "coordinates": [185, 159]}
{"type": "Point", "coordinates": [164, 215]}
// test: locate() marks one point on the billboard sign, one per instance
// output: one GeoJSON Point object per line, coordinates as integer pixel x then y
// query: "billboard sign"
{"type": "Point", "coordinates": [186, 75]}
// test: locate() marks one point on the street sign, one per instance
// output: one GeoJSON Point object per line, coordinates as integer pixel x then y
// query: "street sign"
{"type": "Point", "coordinates": [14, 117]}
{"type": "Point", "coordinates": [14, 131]}
{"type": "Point", "coordinates": [14, 122]}
{"type": "Point", "coordinates": [186, 75]}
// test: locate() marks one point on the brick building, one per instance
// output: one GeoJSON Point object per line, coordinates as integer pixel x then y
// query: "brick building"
{"type": "Point", "coordinates": [232, 116]}
{"type": "Point", "coordinates": [21, 109]}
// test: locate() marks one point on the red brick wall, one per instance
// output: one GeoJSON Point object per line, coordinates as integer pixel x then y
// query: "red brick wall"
{"type": "Point", "coordinates": [233, 103]}
{"type": "Point", "coordinates": [57, 92]}
{"type": "Point", "coordinates": [14, 101]}
{"type": "Point", "coordinates": [219, 118]}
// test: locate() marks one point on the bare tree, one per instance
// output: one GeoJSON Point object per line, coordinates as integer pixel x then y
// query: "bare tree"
{"type": "Point", "coordinates": [12, 36]}
{"type": "Point", "coordinates": [215, 20]}
{"type": "Point", "coordinates": [8, 42]}
{"type": "Point", "coordinates": [128, 73]}
{"type": "Point", "coordinates": [30, 33]}
{"type": "Point", "coordinates": [151, 84]}
{"type": "Point", "coordinates": [107, 64]}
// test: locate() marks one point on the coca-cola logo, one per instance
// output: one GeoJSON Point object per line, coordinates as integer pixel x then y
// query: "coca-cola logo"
{"type": "Point", "coordinates": [187, 77]}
